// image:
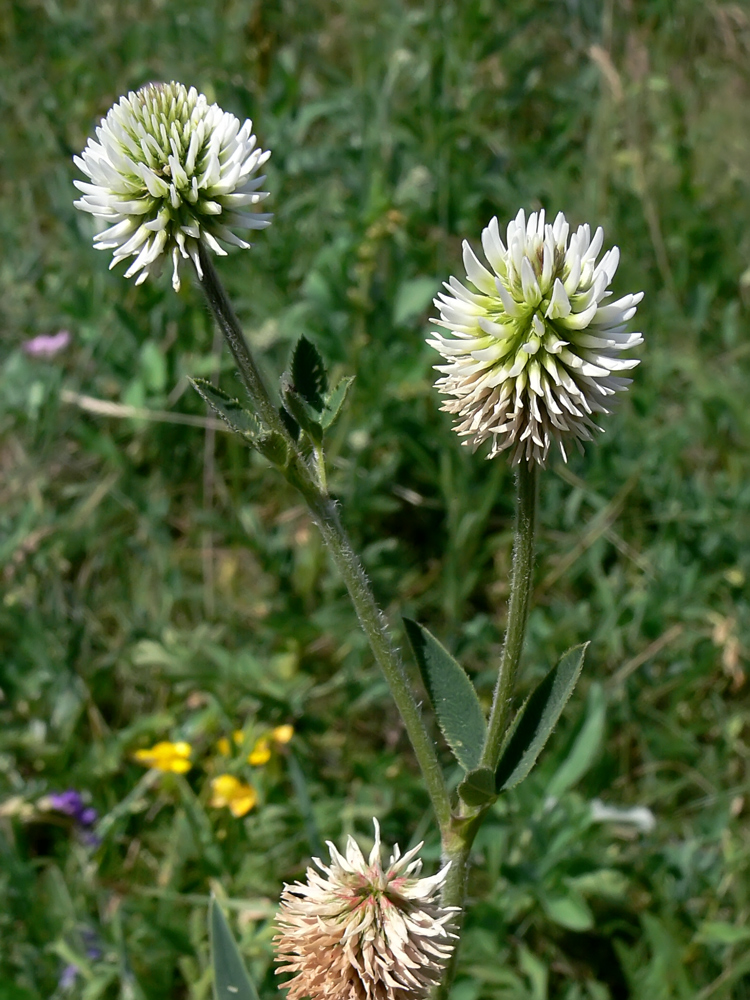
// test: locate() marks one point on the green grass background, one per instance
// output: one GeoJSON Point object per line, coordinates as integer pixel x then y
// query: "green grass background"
{"type": "Point", "coordinates": [160, 582]}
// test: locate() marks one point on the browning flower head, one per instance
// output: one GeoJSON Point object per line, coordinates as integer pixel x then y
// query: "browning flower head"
{"type": "Point", "coordinates": [532, 350]}
{"type": "Point", "coordinates": [359, 932]}
{"type": "Point", "coordinates": [170, 171]}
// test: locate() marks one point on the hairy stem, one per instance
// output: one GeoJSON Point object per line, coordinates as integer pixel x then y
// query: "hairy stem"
{"type": "Point", "coordinates": [465, 823]}
{"type": "Point", "coordinates": [457, 849]}
{"type": "Point", "coordinates": [373, 623]}
{"type": "Point", "coordinates": [233, 334]}
{"type": "Point", "coordinates": [518, 611]}
{"type": "Point", "coordinates": [324, 512]}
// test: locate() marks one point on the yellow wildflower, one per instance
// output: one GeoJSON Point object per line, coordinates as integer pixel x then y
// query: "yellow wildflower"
{"type": "Point", "coordinates": [233, 793]}
{"type": "Point", "coordinates": [166, 756]}
{"type": "Point", "coordinates": [282, 734]}
{"type": "Point", "coordinates": [261, 752]}
{"type": "Point", "coordinates": [223, 746]}
{"type": "Point", "coordinates": [239, 737]}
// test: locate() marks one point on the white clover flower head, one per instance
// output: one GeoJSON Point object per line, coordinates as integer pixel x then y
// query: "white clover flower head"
{"type": "Point", "coordinates": [359, 932]}
{"type": "Point", "coordinates": [533, 348]}
{"type": "Point", "coordinates": [168, 172]}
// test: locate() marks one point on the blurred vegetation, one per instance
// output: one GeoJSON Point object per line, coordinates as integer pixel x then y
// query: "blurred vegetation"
{"type": "Point", "coordinates": [160, 583]}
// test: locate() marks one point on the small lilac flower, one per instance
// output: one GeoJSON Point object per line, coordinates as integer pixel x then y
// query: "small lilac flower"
{"type": "Point", "coordinates": [68, 802]}
{"type": "Point", "coordinates": [89, 839]}
{"type": "Point", "coordinates": [88, 817]}
{"type": "Point", "coordinates": [90, 939]}
{"type": "Point", "coordinates": [68, 978]}
{"type": "Point", "coordinates": [71, 804]}
{"type": "Point", "coordinates": [47, 345]}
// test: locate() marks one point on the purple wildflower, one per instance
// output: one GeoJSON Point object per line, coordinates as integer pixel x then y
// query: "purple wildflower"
{"type": "Point", "coordinates": [47, 345]}
{"type": "Point", "coordinates": [90, 939]}
{"type": "Point", "coordinates": [88, 817]}
{"type": "Point", "coordinates": [71, 804]}
{"type": "Point", "coordinates": [68, 977]}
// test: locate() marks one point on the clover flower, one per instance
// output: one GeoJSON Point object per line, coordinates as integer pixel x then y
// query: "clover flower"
{"type": "Point", "coordinates": [166, 756]}
{"type": "Point", "coordinates": [170, 171]}
{"type": "Point", "coordinates": [359, 932]}
{"type": "Point", "coordinates": [229, 791]}
{"type": "Point", "coordinates": [533, 346]}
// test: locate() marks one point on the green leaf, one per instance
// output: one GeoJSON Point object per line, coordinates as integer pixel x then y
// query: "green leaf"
{"type": "Point", "coordinates": [301, 411]}
{"type": "Point", "coordinates": [153, 367]}
{"type": "Point", "coordinates": [608, 883]}
{"type": "Point", "coordinates": [570, 911]}
{"type": "Point", "coordinates": [309, 378]}
{"type": "Point", "coordinates": [721, 932]}
{"type": "Point", "coordinates": [290, 423]}
{"type": "Point", "coordinates": [452, 694]}
{"type": "Point", "coordinates": [273, 447]}
{"type": "Point", "coordinates": [537, 719]}
{"type": "Point", "coordinates": [586, 747]}
{"type": "Point", "coordinates": [335, 400]}
{"type": "Point", "coordinates": [478, 787]}
{"type": "Point", "coordinates": [231, 981]}
{"type": "Point", "coordinates": [413, 297]}
{"type": "Point", "coordinates": [269, 443]}
{"type": "Point", "coordinates": [230, 410]}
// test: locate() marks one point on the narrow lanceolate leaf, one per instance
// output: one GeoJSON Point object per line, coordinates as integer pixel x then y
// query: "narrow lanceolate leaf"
{"type": "Point", "coordinates": [478, 787]}
{"type": "Point", "coordinates": [309, 377]}
{"type": "Point", "coordinates": [452, 694]}
{"type": "Point", "coordinates": [537, 719]}
{"type": "Point", "coordinates": [230, 410]}
{"type": "Point", "coordinates": [231, 980]}
{"type": "Point", "coordinates": [587, 745]}
{"type": "Point", "coordinates": [335, 400]}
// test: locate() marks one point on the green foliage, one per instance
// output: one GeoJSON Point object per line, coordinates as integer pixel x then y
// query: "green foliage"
{"type": "Point", "coordinates": [478, 787]}
{"type": "Point", "coordinates": [231, 411]}
{"type": "Point", "coordinates": [452, 695]}
{"type": "Point", "coordinates": [231, 981]}
{"type": "Point", "coordinates": [334, 401]}
{"type": "Point", "coordinates": [308, 405]}
{"type": "Point", "coordinates": [536, 720]}
{"type": "Point", "coordinates": [309, 378]}
{"type": "Point", "coordinates": [587, 745]}
{"type": "Point", "coordinates": [160, 581]}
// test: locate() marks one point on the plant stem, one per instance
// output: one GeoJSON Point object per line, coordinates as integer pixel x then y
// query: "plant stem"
{"type": "Point", "coordinates": [234, 336]}
{"type": "Point", "coordinates": [320, 466]}
{"type": "Point", "coordinates": [453, 894]}
{"type": "Point", "coordinates": [373, 623]}
{"type": "Point", "coordinates": [518, 611]}
{"type": "Point", "coordinates": [326, 516]}
{"type": "Point", "coordinates": [457, 841]}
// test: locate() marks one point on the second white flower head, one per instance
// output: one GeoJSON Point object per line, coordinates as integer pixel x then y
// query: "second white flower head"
{"type": "Point", "coordinates": [168, 172]}
{"type": "Point", "coordinates": [533, 350]}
